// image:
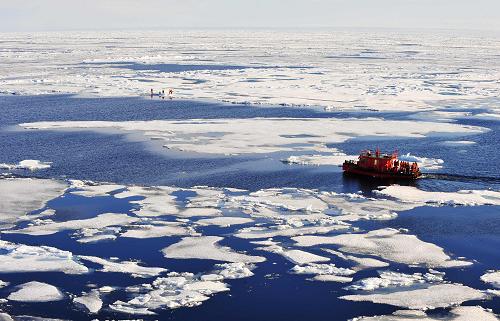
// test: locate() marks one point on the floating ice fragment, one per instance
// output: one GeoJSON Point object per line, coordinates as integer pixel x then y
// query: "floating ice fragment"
{"type": "Point", "coordinates": [423, 162]}
{"type": "Point", "coordinates": [362, 262]}
{"type": "Point", "coordinates": [206, 247]}
{"type": "Point", "coordinates": [492, 277]}
{"type": "Point", "coordinates": [128, 267]}
{"type": "Point", "coordinates": [36, 292]}
{"type": "Point", "coordinates": [25, 258]}
{"type": "Point", "coordinates": [91, 189]}
{"type": "Point", "coordinates": [463, 197]}
{"type": "Point", "coordinates": [428, 297]}
{"type": "Point", "coordinates": [23, 195]}
{"type": "Point", "coordinates": [29, 164]}
{"type": "Point", "coordinates": [461, 313]}
{"type": "Point", "coordinates": [295, 256]}
{"type": "Point", "coordinates": [161, 230]}
{"type": "Point", "coordinates": [320, 160]}
{"type": "Point", "coordinates": [321, 269]}
{"type": "Point", "coordinates": [388, 244]}
{"type": "Point", "coordinates": [389, 279]}
{"type": "Point", "coordinates": [237, 270]}
{"type": "Point", "coordinates": [100, 221]}
{"type": "Point", "coordinates": [175, 291]}
{"type": "Point", "coordinates": [90, 301]}
{"type": "Point", "coordinates": [224, 221]}
{"type": "Point", "coordinates": [239, 136]}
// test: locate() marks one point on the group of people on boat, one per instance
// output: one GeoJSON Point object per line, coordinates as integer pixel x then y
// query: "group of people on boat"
{"type": "Point", "coordinates": [404, 167]}
{"type": "Point", "coordinates": [161, 93]}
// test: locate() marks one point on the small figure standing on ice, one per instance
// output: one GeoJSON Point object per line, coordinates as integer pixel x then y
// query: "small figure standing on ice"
{"type": "Point", "coordinates": [170, 92]}
{"type": "Point", "coordinates": [151, 93]}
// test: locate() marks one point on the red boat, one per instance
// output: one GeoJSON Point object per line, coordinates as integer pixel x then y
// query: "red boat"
{"type": "Point", "coordinates": [381, 166]}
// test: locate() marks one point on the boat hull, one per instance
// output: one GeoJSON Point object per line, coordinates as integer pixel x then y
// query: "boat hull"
{"type": "Point", "coordinates": [357, 171]}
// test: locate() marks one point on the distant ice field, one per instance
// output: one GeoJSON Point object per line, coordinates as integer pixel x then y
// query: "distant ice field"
{"type": "Point", "coordinates": [333, 69]}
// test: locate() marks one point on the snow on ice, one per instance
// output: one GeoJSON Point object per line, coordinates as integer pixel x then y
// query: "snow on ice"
{"type": "Point", "coordinates": [237, 136]}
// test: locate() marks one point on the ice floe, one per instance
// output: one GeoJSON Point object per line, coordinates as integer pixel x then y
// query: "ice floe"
{"type": "Point", "coordinates": [236, 270]}
{"type": "Point", "coordinates": [92, 189]}
{"type": "Point", "coordinates": [389, 279]}
{"type": "Point", "coordinates": [207, 247]}
{"type": "Point", "coordinates": [389, 244]}
{"type": "Point", "coordinates": [428, 297]}
{"type": "Point", "coordinates": [36, 292]}
{"type": "Point", "coordinates": [237, 136]}
{"type": "Point", "coordinates": [333, 160]}
{"type": "Point", "coordinates": [423, 162]}
{"type": "Point", "coordinates": [362, 263]}
{"type": "Point", "coordinates": [295, 256]}
{"type": "Point", "coordinates": [324, 272]}
{"type": "Point", "coordinates": [157, 201]}
{"type": "Point", "coordinates": [457, 143]}
{"type": "Point", "coordinates": [460, 313]}
{"type": "Point", "coordinates": [128, 267]}
{"type": "Point", "coordinates": [23, 195]}
{"type": "Point", "coordinates": [5, 317]}
{"type": "Point", "coordinates": [26, 258]}
{"type": "Point", "coordinates": [3, 284]}
{"type": "Point", "coordinates": [174, 291]}
{"type": "Point", "coordinates": [224, 221]}
{"type": "Point", "coordinates": [98, 222]}
{"type": "Point", "coordinates": [29, 164]}
{"type": "Point", "coordinates": [463, 197]}
{"type": "Point", "coordinates": [161, 229]}
{"type": "Point", "coordinates": [492, 277]}
{"type": "Point", "coordinates": [90, 301]}
{"type": "Point", "coordinates": [258, 232]}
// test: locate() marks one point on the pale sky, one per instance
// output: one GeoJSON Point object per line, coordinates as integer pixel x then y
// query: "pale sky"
{"type": "Point", "coordinates": [42, 15]}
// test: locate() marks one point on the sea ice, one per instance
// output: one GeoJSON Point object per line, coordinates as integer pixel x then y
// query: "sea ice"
{"type": "Point", "coordinates": [286, 198]}
{"type": "Point", "coordinates": [36, 292]}
{"type": "Point", "coordinates": [23, 195]}
{"type": "Point", "coordinates": [295, 256]}
{"type": "Point", "coordinates": [162, 229]}
{"type": "Point", "coordinates": [363, 263]}
{"type": "Point", "coordinates": [5, 317]}
{"type": "Point", "coordinates": [91, 189]}
{"type": "Point", "coordinates": [423, 162]}
{"type": "Point", "coordinates": [29, 164]}
{"type": "Point", "coordinates": [175, 291]}
{"type": "Point", "coordinates": [286, 230]}
{"type": "Point", "coordinates": [460, 313]}
{"type": "Point", "coordinates": [224, 221]}
{"type": "Point", "coordinates": [207, 248]}
{"type": "Point", "coordinates": [15, 258]}
{"type": "Point", "coordinates": [98, 222]}
{"type": "Point", "coordinates": [90, 301]}
{"type": "Point", "coordinates": [322, 269]}
{"type": "Point", "coordinates": [457, 143]}
{"type": "Point", "coordinates": [428, 297]}
{"type": "Point", "coordinates": [236, 270]}
{"type": "Point", "coordinates": [157, 201]}
{"type": "Point", "coordinates": [388, 244]}
{"type": "Point", "coordinates": [238, 136]}
{"type": "Point", "coordinates": [335, 159]}
{"type": "Point", "coordinates": [389, 279]}
{"type": "Point", "coordinates": [3, 284]}
{"type": "Point", "coordinates": [463, 197]}
{"type": "Point", "coordinates": [354, 207]}
{"type": "Point", "coordinates": [129, 267]}
{"type": "Point", "coordinates": [492, 277]}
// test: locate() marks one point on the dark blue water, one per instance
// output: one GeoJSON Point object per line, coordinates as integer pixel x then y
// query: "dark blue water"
{"type": "Point", "coordinates": [473, 232]}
